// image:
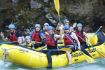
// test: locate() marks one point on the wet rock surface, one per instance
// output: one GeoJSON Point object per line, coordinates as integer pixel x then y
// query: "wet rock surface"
{"type": "Point", "coordinates": [90, 12]}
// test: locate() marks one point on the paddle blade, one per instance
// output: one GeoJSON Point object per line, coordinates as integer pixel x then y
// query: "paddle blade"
{"type": "Point", "coordinates": [57, 6]}
{"type": "Point", "coordinates": [89, 59]}
{"type": "Point", "coordinates": [101, 52]}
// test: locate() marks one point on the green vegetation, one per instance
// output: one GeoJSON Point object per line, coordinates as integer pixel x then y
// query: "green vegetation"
{"type": "Point", "coordinates": [86, 11]}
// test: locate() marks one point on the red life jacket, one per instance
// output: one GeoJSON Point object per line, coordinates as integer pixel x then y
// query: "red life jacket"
{"type": "Point", "coordinates": [12, 37]}
{"type": "Point", "coordinates": [50, 41]}
{"type": "Point", "coordinates": [80, 36]}
{"type": "Point", "coordinates": [36, 36]}
{"type": "Point", "coordinates": [67, 41]}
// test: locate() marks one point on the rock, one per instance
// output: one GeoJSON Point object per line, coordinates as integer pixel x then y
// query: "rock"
{"type": "Point", "coordinates": [35, 4]}
{"type": "Point", "coordinates": [86, 11]}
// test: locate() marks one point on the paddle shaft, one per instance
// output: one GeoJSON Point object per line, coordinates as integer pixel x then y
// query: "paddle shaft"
{"type": "Point", "coordinates": [93, 48]}
{"type": "Point", "coordinates": [95, 33]}
{"type": "Point", "coordinates": [71, 41]}
{"type": "Point", "coordinates": [37, 42]}
{"type": "Point", "coordinates": [92, 36]}
{"type": "Point", "coordinates": [80, 48]}
{"type": "Point", "coordinates": [43, 48]}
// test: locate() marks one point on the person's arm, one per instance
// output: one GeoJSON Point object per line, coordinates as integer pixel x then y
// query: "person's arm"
{"type": "Point", "coordinates": [76, 38]}
{"type": "Point", "coordinates": [42, 35]}
{"type": "Point", "coordinates": [61, 29]}
{"type": "Point", "coordinates": [2, 35]}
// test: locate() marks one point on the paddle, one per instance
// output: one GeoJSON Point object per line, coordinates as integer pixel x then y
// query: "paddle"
{"type": "Point", "coordinates": [95, 33]}
{"type": "Point", "coordinates": [43, 48]}
{"type": "Point", "coordinates": [88, 58]}
{"type": "Point", "coordinates": [37, 42]}
{"type": "Point", "coordinates": [98, 50]}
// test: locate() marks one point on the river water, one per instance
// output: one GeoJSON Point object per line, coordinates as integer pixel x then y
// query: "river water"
{"type": "Point", "coordinates": [98, 65]}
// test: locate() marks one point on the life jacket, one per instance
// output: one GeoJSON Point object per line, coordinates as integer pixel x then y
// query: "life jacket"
{"type": "Point", "coordinates": [68, 41]}
{"type": "Point", "coordinates": [50, 41]}
{"type": "Point", "coordinates": [80, 36]}
{"type": "Point", "coordinates": [12, 37]}
{"type": "Point", "coordinates": [36, 36]}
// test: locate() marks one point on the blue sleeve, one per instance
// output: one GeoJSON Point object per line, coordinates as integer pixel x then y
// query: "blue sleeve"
{"type": "Point", "coordinates": [42, 34]}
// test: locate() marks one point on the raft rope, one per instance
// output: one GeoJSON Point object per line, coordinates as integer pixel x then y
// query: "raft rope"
{"type": "Point", "coordinates": [20, 50]}
{"type": "Point", "coordinates": [23, 50]}
{"type": "Point", "coordinates": [5, 54]}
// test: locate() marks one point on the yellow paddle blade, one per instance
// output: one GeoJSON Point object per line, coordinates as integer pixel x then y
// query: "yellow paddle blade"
{"type": "Point", "coordinates": [89, 59]}
{"type": "Point", "coordinates": [57, 6]}
{"type": "Point", "coordinates": [66, 49]}
{"type": "Point", "coordinates": [101, 52]}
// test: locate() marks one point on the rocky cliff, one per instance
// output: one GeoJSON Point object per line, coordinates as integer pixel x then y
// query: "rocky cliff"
{"type": "Point", "coordinates": [90, 12]}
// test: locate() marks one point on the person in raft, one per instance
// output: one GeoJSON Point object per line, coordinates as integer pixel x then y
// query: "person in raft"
{"type": "Point", "coordinates": [70, 38]}
{"type": "Point", "coordinates": [82, 38]}
{"type": "Point", "coordinates": [12, 35]}
{"type": "Point", "coordinates": [37, 36]}
{"type": "Point", "coordinates": [51, 44]}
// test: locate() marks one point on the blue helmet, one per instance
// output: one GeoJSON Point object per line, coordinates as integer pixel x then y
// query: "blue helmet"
{"type": "Point", "coordinates": [79, 25]}
{"type": "Point", "coordinates": [11, 26]}
{"type": "Point", "coordinates": [50, 28]}
{"type": "Point", "coordinates": [66, 27]}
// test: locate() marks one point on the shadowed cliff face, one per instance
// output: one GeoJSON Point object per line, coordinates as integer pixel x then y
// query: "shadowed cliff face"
{"type": "Point", "coordinates": [90, 12]}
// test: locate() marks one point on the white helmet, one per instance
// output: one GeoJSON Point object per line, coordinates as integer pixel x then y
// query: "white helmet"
{"type": "Point", "coordinates": [11, 26]}
{"type": "Point", "coordinates": [46, 24]}
{"type": "Point", "coordinates": [37, 25]}
{"type": "Point", "coordinates": [50, 28]}
{"type": "Point", "coordinates": [75, 24]}
{"type": "Point", "coordinates": [79, 25]}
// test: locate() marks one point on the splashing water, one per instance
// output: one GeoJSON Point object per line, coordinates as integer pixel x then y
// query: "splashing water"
{"type": "Point", "coordinates": [98, 65]}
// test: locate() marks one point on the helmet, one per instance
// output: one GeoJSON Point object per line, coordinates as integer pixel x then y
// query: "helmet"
{"type": "Point", "coordinates": [50, 28]}
{"type": "Point", "coordinates": [66, 21]}
{"type": "Point", "coordinates": [46, 24]}
{"type": "Point", "coordinates": [66, 27]}
{"type": "Point", "coordinates": [79, 25]}
{"type": "Point", "coordinates": [11, 26]}
{"type": "Point", "coordinates": [37, 25]}
{"type": "Point", "coordinates": [75, 24]}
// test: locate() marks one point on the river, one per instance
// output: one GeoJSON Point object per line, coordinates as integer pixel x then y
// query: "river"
{"type": "Point", "coordinates": [98, 65]}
